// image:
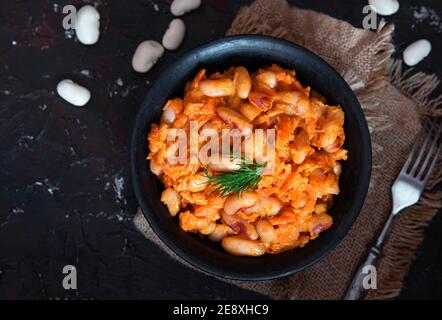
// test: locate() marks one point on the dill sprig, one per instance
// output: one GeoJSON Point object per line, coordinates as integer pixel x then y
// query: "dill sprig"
{"type": "Point", "coordinates": [239, 181]}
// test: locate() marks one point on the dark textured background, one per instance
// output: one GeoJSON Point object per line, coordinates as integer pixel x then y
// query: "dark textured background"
{"type": "Point", "coordinates": [65, 192]}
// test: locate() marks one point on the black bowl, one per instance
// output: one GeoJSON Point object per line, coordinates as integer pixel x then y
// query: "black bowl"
{"type": "Point", "coordinates": [253, 52]}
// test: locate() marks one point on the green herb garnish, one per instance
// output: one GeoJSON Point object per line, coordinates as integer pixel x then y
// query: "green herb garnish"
{"type": "Point", "coordinates": [239, 181]}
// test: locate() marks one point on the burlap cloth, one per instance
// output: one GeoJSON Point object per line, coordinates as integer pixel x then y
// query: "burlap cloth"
{"type": "Point", "coordinates": [394, 103]}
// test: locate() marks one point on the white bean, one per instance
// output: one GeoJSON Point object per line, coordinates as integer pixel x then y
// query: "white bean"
{"type": "Point", "coordinates": [155, 168]}
{"type": "Point", "coordinates": [249, 111]}
{"type": "Point", "coordinates": [174, 35]}
{"type": "Point", "coordinates": [180, 7]}
{"type": "Point", "coordinates": [171, 110]}
{"type": "Point", "coordinates": [172, 199]}
{"type": "Point", "coordinates": [221, 231]}
{"type": "Point", "coordinates": [242, 82]}
{"type": "Point", "coordinates": [235, 120]}
{"type": "Point", "coordinates": [199, 182]}
{"type": "Point", "coordinates": [268, 78]}
{"type": "Point", "coordinates": [168, 115]}
{"type": "Point", "coordinates": [319, 223]}
{"type": "Point", "coordinates": [261, 100]}
{"type": "Point", "coordinates": [385, 7]}
{"type": "Point", "coordinates": [220, 163]}
{"type": "Point", "coordinates": [241, 226]}
{"type": "Point", "coordinates": [87, 25]}
{"type": "Point", "coordinates": [297, 99]}
{"type": "Point", "coordinates": [416, 52]}
{"type": "Point", "coordinates": [266, 231]}
{"type": "Point", "coordinates": [146, 55]}
{"type": "Point", "coordinates": [242, 247]}
{"type": "Point", "coordinates": [73, 92]}
{"type": "Point", "coordinates": [266, 206]}
{"type": "Point", "coordinates": [237, 202]}
{"type": "Point", "coordinates": [217, 87]}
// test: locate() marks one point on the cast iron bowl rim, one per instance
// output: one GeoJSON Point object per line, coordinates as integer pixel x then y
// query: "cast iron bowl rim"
{"type": "Point", "coordinates": [358, 201]}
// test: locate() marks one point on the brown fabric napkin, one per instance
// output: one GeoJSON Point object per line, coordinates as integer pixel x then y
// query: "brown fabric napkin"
{"type": "Point", "coordinates": [394, 104]}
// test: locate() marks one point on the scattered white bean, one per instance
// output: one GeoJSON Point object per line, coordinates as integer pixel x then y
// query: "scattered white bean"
{"type": "Point", "coordinates": [416, 52]}
{"type": "Point", "coordinates": [73, 92]}
{"type": "Point", "coordinates": [174, 35]}
{"type": "Point", "coordinates": [385, 7]}
{"type": "Point", "coordinates": [87, 25]}
{"type": "Point", "coordinates": [146, 55]}
{"type": "Point", "coordinates": [180, 7]}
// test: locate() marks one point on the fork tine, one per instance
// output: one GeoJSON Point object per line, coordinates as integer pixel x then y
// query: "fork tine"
{"type": "Point", "coordinates": [413, 149]}
{"type": "Point", "coordinates": [431, 152]}
{"type": "Point", "coordinates": [422, 150]}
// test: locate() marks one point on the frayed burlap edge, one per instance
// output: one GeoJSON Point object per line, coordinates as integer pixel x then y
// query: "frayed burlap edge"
{"type": "Point", "coordinates": [418, 87]}
{"type": "Point", "coordinates": [367, 93]}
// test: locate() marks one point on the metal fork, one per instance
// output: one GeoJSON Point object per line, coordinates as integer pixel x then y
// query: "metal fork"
{"type": "Point", "coordinates": [406, 190]}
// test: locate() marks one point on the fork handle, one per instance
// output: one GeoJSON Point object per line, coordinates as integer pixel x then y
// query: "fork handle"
{"type": "Point", "coordinates": [356, 290]}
